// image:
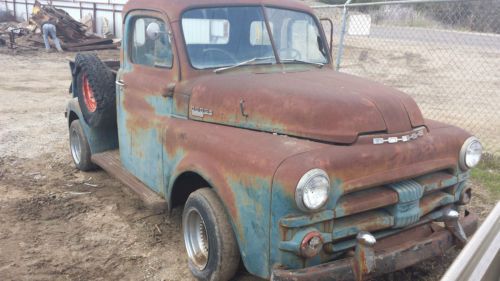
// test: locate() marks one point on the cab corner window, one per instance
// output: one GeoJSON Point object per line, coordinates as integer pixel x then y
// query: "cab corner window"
{"type": "Point", "coordinates": [150, 44]}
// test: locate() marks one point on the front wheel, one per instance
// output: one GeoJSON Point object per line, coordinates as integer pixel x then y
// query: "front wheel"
{"type": "Point", "coordinates": [210, 242]}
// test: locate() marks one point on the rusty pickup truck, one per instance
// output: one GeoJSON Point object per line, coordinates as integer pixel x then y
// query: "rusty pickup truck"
{"type": "Point", "coordinates": [284, 166]}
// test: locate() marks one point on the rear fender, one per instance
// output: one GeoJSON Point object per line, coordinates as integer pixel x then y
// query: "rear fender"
{"type": "Point", "coordinates": [74, 74]}
{"type": "Point", "coordinates": [100, 139]}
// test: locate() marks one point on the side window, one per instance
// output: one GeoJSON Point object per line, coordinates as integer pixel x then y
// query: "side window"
{"type": "Point", "coordinates": [155, 52]}
{"type": "Point", "coordinates": [304, 35]}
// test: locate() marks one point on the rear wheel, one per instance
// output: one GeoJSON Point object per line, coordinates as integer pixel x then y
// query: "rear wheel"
{"type": "Point", "coordinates": [210, 242]}
{"type": "Point", "coordinates": [79, 147]}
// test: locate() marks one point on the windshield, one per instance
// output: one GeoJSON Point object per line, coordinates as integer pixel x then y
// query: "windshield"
{"type": "Point", "coordinates": [237, 36]}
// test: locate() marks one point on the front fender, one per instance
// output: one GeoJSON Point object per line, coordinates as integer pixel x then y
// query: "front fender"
{"type": "Point", "coordinates": [355, 168]}
{"type": "Point", "coordinates": [246, 200]}
{"type": "Point", "coordinates": [239, 164]}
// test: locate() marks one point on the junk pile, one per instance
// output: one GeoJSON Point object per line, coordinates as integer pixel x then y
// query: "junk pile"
{"type": "Point", "coordinates": [73, 35]}
{"type": "Point", "coordinates": [11, 30]}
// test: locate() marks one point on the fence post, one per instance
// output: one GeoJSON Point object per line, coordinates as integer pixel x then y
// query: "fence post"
{"type": "Point", "coordinates": [94, 20]}
{"type": "Point", "coordinates": [342, 35]}
{"type": "Point", "coordinates": [27, 15]}
{"type": "Point", "coordinates": [15, 12]}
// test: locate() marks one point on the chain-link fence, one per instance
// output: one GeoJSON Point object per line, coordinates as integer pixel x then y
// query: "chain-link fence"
{"type": "Point", "coordinates": [445, 54]}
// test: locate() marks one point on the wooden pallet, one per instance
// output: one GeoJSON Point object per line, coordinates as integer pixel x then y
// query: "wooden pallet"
{"type": "Point", "coordinates": [110, 162]}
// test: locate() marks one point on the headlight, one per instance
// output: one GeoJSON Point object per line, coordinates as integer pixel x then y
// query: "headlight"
{"type": "Point", "coordinates": [312, 191]}
{"type": "Point", "coordinates": [471, 153]}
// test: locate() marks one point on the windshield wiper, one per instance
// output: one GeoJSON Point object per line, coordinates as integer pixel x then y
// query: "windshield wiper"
{"type": "Point", "coordinates": [318, 64]}
{"type": "Point", "coordinates": [218, 70]}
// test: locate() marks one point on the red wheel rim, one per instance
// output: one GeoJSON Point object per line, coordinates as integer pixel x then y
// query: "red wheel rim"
{"type": "Point", "coordinates": [88, 95]}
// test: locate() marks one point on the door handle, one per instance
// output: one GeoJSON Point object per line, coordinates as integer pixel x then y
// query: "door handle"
{"type": "Point", "coordinates": [120, 83]}
{"type": "Point", "coordinates": [169, 91]}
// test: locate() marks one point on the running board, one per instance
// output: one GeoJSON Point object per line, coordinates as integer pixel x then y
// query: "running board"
{"type": "Point", "coordinates": [110, 162]}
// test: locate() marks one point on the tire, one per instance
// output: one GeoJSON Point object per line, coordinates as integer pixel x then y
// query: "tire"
{"type": "Point", "coordinates": [79, 147]}
{"type": "Point", "coordinates": [217, 257]}
{"type": "Point", "coordinates": [95, 89]}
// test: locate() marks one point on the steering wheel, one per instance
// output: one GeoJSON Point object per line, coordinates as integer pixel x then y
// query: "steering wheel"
{"type": "Point", "coordinates": [291, 53]}
{"type": "Point", "coordinates": [220, 51]}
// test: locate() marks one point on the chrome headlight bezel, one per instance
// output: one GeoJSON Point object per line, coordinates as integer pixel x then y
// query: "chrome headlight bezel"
{"type": "Point", "coordinates": [304, 183]}
{"type": "Point", "coordinates": [464, 161]}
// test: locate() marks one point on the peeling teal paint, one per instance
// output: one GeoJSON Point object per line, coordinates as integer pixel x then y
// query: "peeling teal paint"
{"type": "Point", "coordinates": [252, 225]}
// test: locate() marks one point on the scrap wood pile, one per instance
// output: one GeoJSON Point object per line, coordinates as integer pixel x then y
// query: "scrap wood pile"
{"type": "Point", "coordinates": [74, 36]}
{"type": "Point", "coordinates": [70, 29]}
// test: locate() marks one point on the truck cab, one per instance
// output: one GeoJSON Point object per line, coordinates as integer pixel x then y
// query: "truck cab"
{"type": "Point", "coordinates": [233, 110]}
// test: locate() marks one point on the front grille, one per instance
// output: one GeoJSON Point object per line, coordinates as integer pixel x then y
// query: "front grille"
{"type": "Point", "coordinates": [393, 206]}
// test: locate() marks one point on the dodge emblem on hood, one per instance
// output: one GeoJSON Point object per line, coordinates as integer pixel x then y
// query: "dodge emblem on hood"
{"type": "Point", "coordinates": [200, 112]}
{"type": "Point", "coordinates": [405, 138]}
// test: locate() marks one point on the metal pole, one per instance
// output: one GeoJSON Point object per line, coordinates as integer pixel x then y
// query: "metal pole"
{"type": "Point", "coordinates": [15, 14]}
{"type": "Point", "coordinates": [342, 35]}
{"type": "Point", "coordinates": [27, 15]}
{"type": "Point", "coordinates": [94, 20]}
{"type": "Point", "coordinates": [114, 20]}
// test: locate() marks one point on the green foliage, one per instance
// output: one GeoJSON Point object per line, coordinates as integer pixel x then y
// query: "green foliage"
{"type": "Point", "coordinates": [488, 174]}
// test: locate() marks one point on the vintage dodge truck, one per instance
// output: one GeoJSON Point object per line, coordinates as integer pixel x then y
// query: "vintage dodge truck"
{"type": "Point", "coordinates": [232, 109]}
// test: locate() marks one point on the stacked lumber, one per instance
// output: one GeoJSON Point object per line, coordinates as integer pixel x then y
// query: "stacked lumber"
{"type": "Point", "coordinates": [69, 28]}
{"type": "Point", "coordinates": [85, 45]}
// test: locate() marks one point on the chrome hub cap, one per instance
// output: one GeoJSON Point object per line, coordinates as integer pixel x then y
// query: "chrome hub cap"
{"type": "Point", "coordinates": [75, 145]}
{"type": "Point", "coordinates": [196, 239]}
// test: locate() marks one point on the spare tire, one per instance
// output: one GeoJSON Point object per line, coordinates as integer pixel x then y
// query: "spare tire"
{"type": "Point", "coordinates": [95, 89]}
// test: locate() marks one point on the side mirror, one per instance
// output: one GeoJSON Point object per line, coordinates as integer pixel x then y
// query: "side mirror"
{"type": "Point", "coordinates": [153, 31]}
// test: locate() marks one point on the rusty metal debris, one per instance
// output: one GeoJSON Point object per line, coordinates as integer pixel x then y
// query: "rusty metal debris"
{"type": "Point", "coordinates": [9, 32]}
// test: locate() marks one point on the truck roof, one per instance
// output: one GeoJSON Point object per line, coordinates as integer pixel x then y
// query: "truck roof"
{"type": "Point", "coordinates": [175, 8]}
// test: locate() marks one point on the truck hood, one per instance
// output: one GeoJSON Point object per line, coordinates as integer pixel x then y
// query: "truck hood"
{"type": "Point", "coordinates": [321, 104]}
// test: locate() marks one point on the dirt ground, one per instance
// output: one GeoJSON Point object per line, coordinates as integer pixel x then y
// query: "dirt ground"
{"type": "Point", "coordinates": [57, 223]}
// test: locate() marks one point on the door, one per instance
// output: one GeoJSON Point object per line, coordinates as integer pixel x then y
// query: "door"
{"type": "Point", "coordinates": [144, 82]}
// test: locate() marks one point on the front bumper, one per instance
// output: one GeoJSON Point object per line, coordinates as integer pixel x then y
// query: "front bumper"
{"type": "Point", "coordinates": [389, 254]}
